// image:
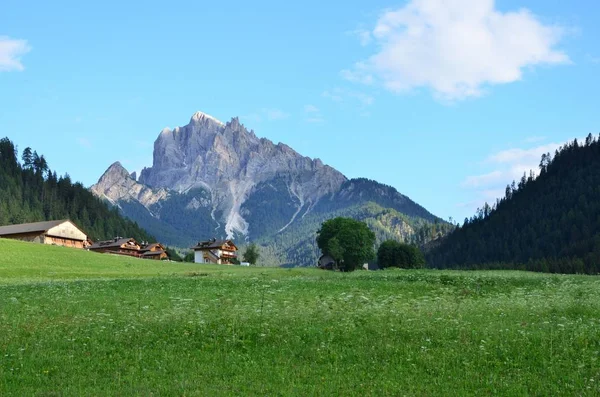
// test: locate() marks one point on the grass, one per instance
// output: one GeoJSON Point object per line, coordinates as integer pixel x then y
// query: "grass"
{"type": "Point", "coordinates": [93, 324]}
{"type": "Point", "coordinates": [22, 262]}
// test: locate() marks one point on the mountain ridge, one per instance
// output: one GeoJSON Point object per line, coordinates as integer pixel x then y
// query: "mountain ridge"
{"type": "Point", "coordinates": [548, 223]}
{"type": "Point", "coordinates": [210, 178]}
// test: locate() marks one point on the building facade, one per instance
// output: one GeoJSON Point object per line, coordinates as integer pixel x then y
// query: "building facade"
{"type": "Point", "coordinates": [64, 233]}
{"type": "Point", "coordinates": [221, 252]}
{"type": "Point", "coordinates": [118, 245]}
{"type": "Point", "coordinates": [154, 251]}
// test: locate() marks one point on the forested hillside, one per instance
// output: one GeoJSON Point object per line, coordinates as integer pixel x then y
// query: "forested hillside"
{"type": "Point", "coordinates": [30, 192]}
{"type": "Point", "coordinates": [297, 244]}
{"type": "Point", "coordinates": [549, 223]}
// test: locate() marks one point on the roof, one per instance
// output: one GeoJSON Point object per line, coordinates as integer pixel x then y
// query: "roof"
{"type": "Point", "coordinates": [149, 247]}
{"type": "Point", "coordinates": [153, 253]}
{"type": "Point", "coordinates": [30, 227]}
{"type": "Point", "coordinates": [114, 243]}
{"type": "Point", "coordinates": [211, 244]}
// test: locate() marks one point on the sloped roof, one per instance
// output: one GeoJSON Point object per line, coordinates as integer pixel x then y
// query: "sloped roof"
{"type": "Point", "coordinates": [149, 247]}
{"type": "Point", "coordinates": [211, 244]}
{"type": "Point", "coordinates": [30, 227]}
{"type": "Point", "coordinates": [153, 253]}
{"type": "Point", "coordinates": [114, 243]}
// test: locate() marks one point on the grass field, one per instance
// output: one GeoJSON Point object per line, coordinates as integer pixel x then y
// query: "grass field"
{"type": "Point", "coordinates": [76, 323]}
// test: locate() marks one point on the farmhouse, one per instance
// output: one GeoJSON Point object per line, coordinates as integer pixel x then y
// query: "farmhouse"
{"type": "Point", "coordinates": [222, 252]}
{"type": "Point", "coordinates": [154, 251]}
{"type": "Point", "coordinates": [118, 245]}
{"type": "Point", "coordinates": [64, 233]}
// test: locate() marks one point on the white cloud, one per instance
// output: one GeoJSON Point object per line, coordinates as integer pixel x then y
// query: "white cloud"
{"type": "Point", "coordinates": [11, 51]}
{"type": "Point", "coordinates": [317, 119]}
{"type": "Point", "coordinates": [507, 166]}
{"type": "Point", "coordinates": [358, 75]}
{"type": "Point", "coordinates": [456, 47]}
{"type": "Point", "coordinates": [522, 157]}
{"type": "Point", "coordinates": [483, 180]}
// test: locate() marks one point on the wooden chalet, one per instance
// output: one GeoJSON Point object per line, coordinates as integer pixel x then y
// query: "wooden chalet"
{"type": "Point", "coordinates": [222, 252]}
{"type": "Point", "coordinates": [64, 233]}
{"type": "Point", "coordinates": [118, 245]}
{"type": "Point", "coordinates": [154, 251]}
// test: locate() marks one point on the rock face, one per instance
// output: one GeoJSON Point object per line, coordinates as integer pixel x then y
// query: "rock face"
{"type": "Point", "coordinates": [230, 161]}
{"type": "Point", "coordinates": [213, 179]}
{"type": "Point", "coordinates": [116, 184]}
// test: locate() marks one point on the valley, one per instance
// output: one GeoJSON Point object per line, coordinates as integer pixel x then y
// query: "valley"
{"type": "Point", "coordinates": [214, 179]}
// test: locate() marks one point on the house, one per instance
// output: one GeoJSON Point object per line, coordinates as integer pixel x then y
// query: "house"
{"type": "Point", "coordinates": [64, 233]}
{"type": "Point", "coordinates": [154, 251]}
{"type": "Point", "coordinates": [118, 245]}
{"type": "Point", "coordinates": [222, 252]}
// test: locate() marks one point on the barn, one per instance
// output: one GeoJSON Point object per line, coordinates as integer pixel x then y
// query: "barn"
{"type": "Point", "coordinates": [64, 233]}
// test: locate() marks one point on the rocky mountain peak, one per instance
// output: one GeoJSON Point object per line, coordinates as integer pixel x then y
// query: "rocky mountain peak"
{"type": "Point", "coordinates": [201, 117]}
{"type": "Point", "coordinates": [213, 179]}
{"type": "Point", "coordinates": [116, 171]}
{"type": "Point", "coordinates": [230, 161]}
{"type": "Point", "coordinates": [118, 184]}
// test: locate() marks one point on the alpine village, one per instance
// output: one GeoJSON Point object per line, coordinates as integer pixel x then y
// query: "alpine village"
{"type": "Point", "coordinates": [376, 198]}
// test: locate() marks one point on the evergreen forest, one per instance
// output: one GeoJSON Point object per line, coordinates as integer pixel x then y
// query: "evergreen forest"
{"type": "Point", "coordinates": [548, 223]}
{"type": "Point", "coordinates": [31, 192]}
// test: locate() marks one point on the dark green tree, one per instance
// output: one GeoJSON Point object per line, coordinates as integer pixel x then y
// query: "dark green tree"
{"type": "Point", "coordinates": [549, 223]}
{"type": "Point", "coordinates": [392, 253]}
{"type": "Point", "coordinates": [189, 257]}
{"type": "Point", "coordinates": [173, 255]}
{"type": "Point", "coordinates": [27, 158]}
{"type": "Point", "coordinates": [251, 255]}
{"type": "Point", "coordinates": [349, 242]}
{"type": "Point", "coordinates": [32, 193]}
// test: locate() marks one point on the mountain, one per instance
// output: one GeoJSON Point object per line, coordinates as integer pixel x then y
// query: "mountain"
{"type": "Point", "coordinates": [210, 178]}
{"type": "Point", "coordinates": [550, 223]}
{"type": "Point", "coordinates": [31, 192]}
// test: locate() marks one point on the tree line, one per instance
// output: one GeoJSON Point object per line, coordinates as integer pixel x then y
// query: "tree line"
{"type": "Point", "coordinates": [350, 244]}
{"type": "Point", "coordinates": [30, 191]}
{"type": "Point", "coordinates": [548, 223]}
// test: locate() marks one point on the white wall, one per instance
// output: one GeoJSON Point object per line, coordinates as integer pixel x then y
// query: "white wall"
{"type": "Point", "coordinates": [198, 258]}
{"type": "Point", "coordinates": [67, 230]}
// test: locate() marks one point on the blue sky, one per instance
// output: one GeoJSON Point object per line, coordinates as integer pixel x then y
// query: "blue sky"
{"type": "Point", "coordinates": [446, 100]}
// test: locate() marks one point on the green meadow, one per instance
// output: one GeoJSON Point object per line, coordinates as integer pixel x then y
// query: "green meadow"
{"type": "Point", "coordinates": [76, 323]}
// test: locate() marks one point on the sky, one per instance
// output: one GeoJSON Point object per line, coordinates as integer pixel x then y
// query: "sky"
{"type": "Point", "coordinates": [446, 100]}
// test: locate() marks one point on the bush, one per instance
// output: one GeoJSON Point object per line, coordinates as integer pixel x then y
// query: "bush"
{"type": "Point", "coordinates": [392, 253]}
{"type": "Point", "coordinates": [349, 242]}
